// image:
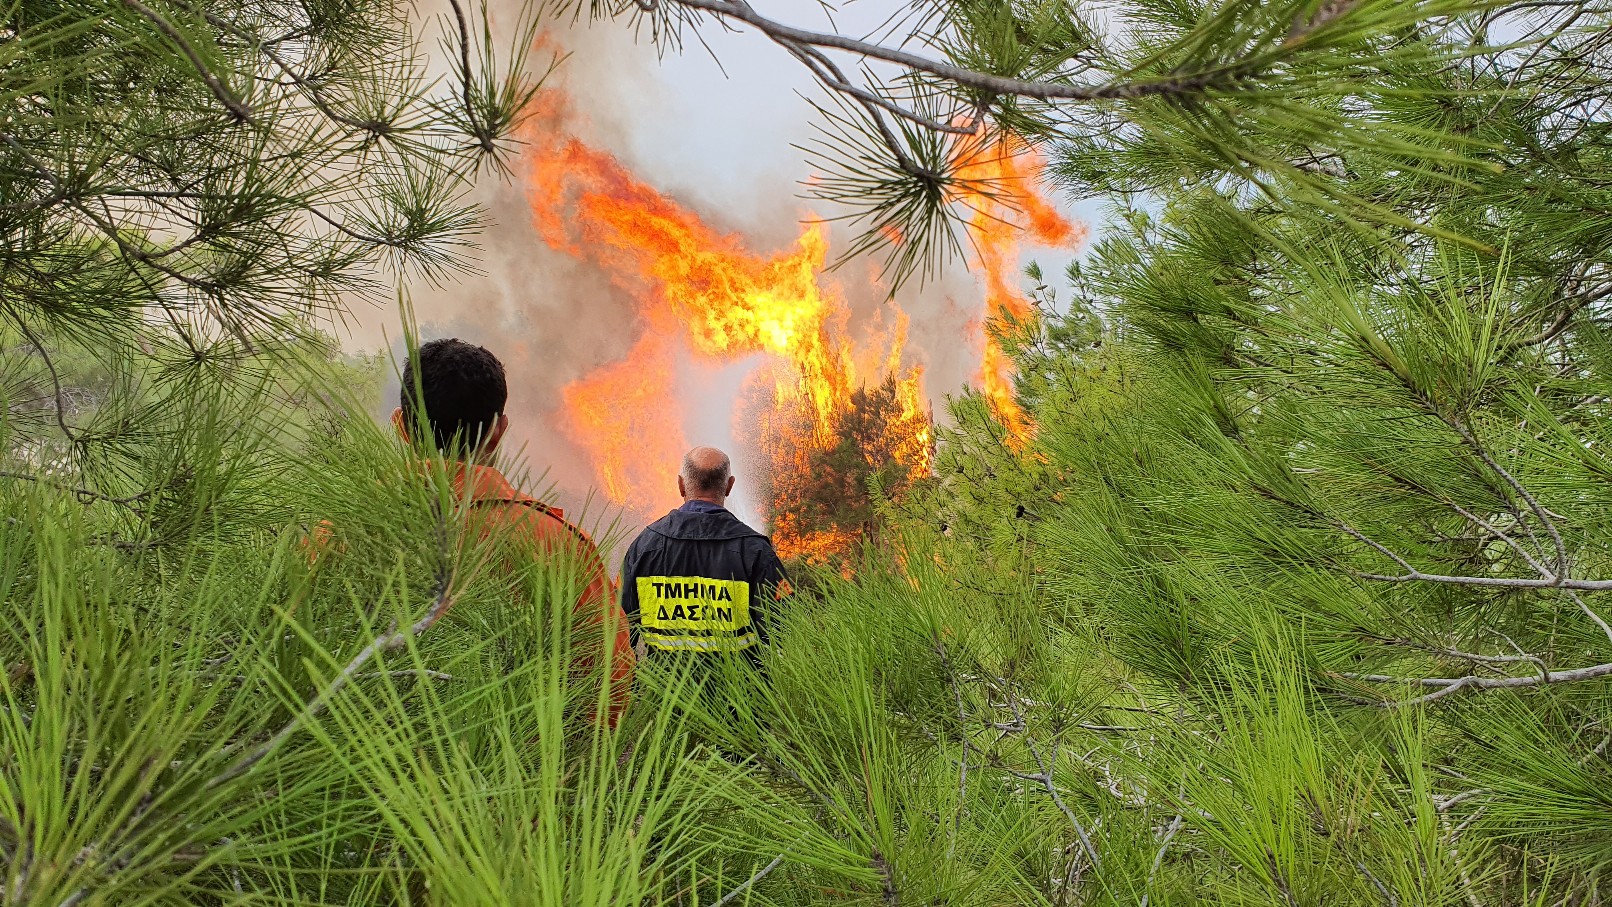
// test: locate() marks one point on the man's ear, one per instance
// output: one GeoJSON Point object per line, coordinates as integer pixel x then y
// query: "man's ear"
{"type": "Point", "coordinates": [681, 491]}
{"type": "Point", "coordinates": [496, 436]}
{"type": "Point", "coordinates": [401, 426]}
{"type": "Point", "coordinates": [731, 480]}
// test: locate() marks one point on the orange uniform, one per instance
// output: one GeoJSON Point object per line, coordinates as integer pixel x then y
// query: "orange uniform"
{"type": "Point", "coordinates": [506, 509]}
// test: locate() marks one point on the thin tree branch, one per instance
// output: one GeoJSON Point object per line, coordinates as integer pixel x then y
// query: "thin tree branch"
{"type": "Point", "coordinates": [314, 91]}
{"type": "Point", "coordinates": [1158, 858]}
{"type": "Point", "coordinates": [1279, 879]}
{"type": "Point", "coordinates": [55, 378]}
{"type": "Point", "coordinates": [1449, 685]}
{"type": "Point", "coordinates": [105, 225]}
{"type": "Point", "coordinates": [1413, 574]}
{"type": "Point", "coordinates": [1471, 440]}
{"type": "Point", "coordinates": [219, 90]}
{"type": "Point", "coordinates": [483, 136]}
{"type": "Point", "coordinates": [1045, 778]}
{"type": "Point", "coordinates": [962, 763]}
{"type": "Point", "coordinates": [84, 495]}
{"type": "Point", "coordinates": [1389, 898]}
{"type": "Point", "coordinates": [1000, 85]}
{"type": "Point", "coordinates": [761, 874]}
{"type": "Point", "coordinates": [386, 642]}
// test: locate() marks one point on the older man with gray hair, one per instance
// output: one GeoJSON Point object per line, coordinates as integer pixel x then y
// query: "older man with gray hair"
{"type": "Point", "coordinates": [699, 582]}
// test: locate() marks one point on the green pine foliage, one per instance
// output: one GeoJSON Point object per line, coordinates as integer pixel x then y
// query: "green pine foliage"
{"type": "Point", "coordinates": [1297, 597]}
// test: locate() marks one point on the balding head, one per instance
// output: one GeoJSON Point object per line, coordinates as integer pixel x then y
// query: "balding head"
{"type": "Point", "coordinates": [707, 475]}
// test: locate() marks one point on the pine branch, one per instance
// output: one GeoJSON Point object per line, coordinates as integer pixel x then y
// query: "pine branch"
{"type": "Point", "coordinates": [314, 91]}
{"type": "Point", "coordinates": [1388, 897]}
{"type": "Point", "coordinates": [1158, 858]}
{"type": "Point", "coordinates": [1557, 325]}
{"type": "Point", "coordinates": [1414, 574]}
{"type": "Point", "coordinates": [1448, 685]}
{"type": "Point", "coordinates": [55, 377]}
{"type": "Point", "coordinates": [1472, 443]}
{"type": "Point", "coordinates": [240, 111]}
{"type": "Point", "coordinates": [1178, 86]}
{"type": "Point", "coordinates": [84, 495]}
{"type": "Point", "coordinates": [962, 764]}
{"type": "Point", "coordinates": [758, 876]}
{"type": "Point", "coordinates": [389, 641]}
{"type": "Point", "coordinates": [482, 135]}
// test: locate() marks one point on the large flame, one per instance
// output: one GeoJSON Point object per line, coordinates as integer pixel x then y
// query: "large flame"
{"type": "Point", "coordinates": [699, 290]}
{"type": "Point", "coordinates": [997, 180]}
{"type": "Point", "coordinates": [692, 283]}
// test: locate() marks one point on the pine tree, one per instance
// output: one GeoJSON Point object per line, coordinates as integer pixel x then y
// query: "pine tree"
{"type": "Point", "coordinates": [1322, 508]}
{"type": "Point", "coordinates": [200, 181]}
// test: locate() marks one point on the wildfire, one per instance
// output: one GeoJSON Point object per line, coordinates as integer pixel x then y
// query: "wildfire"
{"type": "Point", "coordinates": [998, 180]}
{"type": "Point", "coordinates": [820, 397]}
{"type": "Point", "coordinates": [691, 282]}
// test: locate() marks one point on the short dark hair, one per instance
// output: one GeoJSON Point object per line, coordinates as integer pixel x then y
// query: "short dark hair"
{"type": "Point", "coordinates": [463, 388]}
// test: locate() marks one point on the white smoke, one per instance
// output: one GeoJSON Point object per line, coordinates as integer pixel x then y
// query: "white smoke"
{"type": "Point", "coordinates": [720, 145]}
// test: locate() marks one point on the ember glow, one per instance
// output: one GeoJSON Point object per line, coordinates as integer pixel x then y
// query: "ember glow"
{"type": "Point", "coordinates": [703, 293]}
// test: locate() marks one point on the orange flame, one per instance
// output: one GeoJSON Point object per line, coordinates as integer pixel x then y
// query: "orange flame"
{"type": "Point", "coordinates": [633, 436]}
{"type": "Point", "coordinates": [724, 302]}
{"type": "Point", "coordinates": [998, 180]}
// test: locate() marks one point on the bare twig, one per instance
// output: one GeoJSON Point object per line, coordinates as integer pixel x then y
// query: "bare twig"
{"type": "Point", "coordinates": [1158, 858]}
{"type": "Point", "coordinates": [386, 642]}
{"type": "Point", "coordinates": [962, 763]}
{"type": "Point", "coordinates": [1389, 898]}
{"type": "Point", "coordinates": [55, 377]}
{"type": "Point", "coordinates": [1558, 324]}
{"type": "Point", "coordinates": [1414, 574]}
{"type": "Point", "coordinates": [214, 84]}
{"type": "Point", "coordinates": [760, 874]}
{"type": "Point", "coordinates": [1539, 512]}
{"type": "Point", "coordinates": [1448, 685]}
{"type": "Point", "coordinates": [1043, 776]}
{"type": "Point", "coordinates": [412, 672]}
{"type": "Point", "coordinates": [1052, 789]}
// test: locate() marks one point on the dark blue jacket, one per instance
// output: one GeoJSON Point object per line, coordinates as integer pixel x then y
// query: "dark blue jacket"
{"type": "Point", "coordinates": [698, 580]}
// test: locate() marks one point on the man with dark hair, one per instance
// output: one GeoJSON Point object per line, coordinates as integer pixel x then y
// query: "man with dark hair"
{"type": "Point", "coordinates": [463, 391]}
{"type": "Point", "coordinates": [699, 581]}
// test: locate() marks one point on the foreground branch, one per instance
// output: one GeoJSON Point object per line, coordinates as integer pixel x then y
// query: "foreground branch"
{"type": "Point", "coordinates": [1448, 685]}
{"type": "Point", "coordinates": [84, 495]}
{"type": "Point", "coordinates": [386, 642]}
{"type": "Point", "coordinates": [214, 84]}
{"type": "Point", "coordinates": [787, 35]}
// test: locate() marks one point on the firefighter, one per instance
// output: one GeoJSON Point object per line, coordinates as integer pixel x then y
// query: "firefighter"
{"type": "Point", "coordinates": [698, 581]}
{"type": "Point", "coordinates": [463, 389]}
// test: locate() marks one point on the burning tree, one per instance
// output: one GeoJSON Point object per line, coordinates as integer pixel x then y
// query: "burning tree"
{"type": "Point", "coordinates": [824, 497]}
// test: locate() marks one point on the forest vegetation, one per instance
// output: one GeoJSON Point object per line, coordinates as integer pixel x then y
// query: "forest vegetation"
{"type": "Point", "coordinates": [1294, 597]}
